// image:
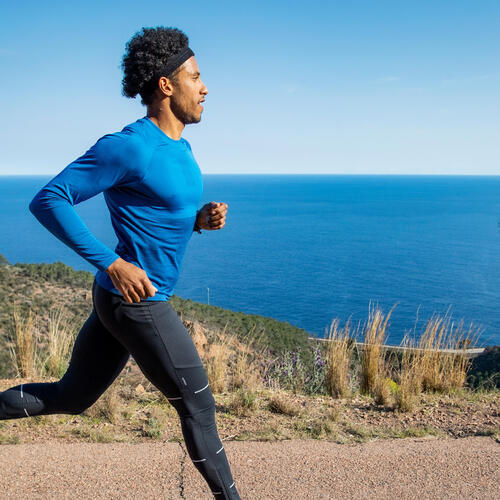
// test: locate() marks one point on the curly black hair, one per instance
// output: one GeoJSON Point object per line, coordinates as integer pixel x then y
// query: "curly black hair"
{"type": "Point", "coordinates": [146, 53]}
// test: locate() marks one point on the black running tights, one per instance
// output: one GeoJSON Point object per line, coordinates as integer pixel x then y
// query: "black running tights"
{"type": "Point", "coordinates": [153, 333]}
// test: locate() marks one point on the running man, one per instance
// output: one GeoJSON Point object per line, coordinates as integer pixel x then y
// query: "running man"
{"type": "Point", "coordinates": [152, 186]}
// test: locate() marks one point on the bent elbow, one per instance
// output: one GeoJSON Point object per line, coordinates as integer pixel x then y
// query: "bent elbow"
{"type": "Point", "coordinates": [34, 205]}
{"type": "Point", "coordinates": [47, 199]}
{"type": "Point", "coordinates": [42, 200]}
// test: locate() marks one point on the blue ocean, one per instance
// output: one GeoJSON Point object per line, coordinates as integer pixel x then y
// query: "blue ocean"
{"type": "Point", "coordinates": [310, 248]}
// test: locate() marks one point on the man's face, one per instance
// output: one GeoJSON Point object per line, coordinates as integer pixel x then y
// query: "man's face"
{"type": "Point", "coordinates": [188, 94]}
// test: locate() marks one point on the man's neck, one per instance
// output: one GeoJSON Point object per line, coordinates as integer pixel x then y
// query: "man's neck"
{"type": "Point", "coordinates": [163, 118]}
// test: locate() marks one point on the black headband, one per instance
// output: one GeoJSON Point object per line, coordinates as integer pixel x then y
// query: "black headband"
{"type": "Point", "coordinates": [175, 61]}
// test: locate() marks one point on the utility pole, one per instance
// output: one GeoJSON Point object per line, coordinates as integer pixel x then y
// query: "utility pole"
{"type": "Point", "coordinates": [208, 295]}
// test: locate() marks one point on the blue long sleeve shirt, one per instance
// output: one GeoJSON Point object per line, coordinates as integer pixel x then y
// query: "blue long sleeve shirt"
{"type": "Point", "coordinates": [152, 186]}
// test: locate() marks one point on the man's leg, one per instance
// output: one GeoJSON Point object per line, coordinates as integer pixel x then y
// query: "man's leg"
{"type": "Point", "coordinates": [96, 360]}
{"type": "Point", "coordinates": [156, 338]}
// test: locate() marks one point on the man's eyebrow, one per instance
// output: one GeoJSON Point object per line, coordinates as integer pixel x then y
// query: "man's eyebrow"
{"type": "Point", "coordinates": [195, 73]}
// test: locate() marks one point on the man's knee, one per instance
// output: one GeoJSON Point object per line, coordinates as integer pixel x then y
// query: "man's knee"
{"type": "Point", "coordinates": [76, 408]}
{"type": "Point", "coordinates": [202, 402]}
{"type": "Point", "coordinates": [72, 401]}
{"type": "Point", "coordinates": [77, 404]}
{"type": "Point", "coordinates": [204, 416]}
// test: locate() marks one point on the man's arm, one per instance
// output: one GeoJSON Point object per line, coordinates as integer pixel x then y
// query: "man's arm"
{"type": "Point", "coordinates": [100, 168]}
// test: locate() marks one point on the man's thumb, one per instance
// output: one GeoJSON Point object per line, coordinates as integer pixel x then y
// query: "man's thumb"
{"type": "Point", "coordinates": [151, 288]}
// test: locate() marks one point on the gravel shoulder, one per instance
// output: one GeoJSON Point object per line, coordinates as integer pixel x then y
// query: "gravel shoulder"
{"type": "Point", "coordinates": [403, 468]}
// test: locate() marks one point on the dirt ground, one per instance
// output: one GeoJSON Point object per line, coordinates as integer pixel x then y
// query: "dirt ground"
{"type": "Point", "coordinates": [130, 412]}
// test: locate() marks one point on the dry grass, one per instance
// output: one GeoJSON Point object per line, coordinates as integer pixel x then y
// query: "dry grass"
{"type": "Point", "coordinates": [443, 371]}
{"type": "Point", "coordinates": [382, 394]}
{"type": "Point", "coordinates": [410, 377]}
{"type": "Point", "coordinates": [429, 368]}
{"type": "Point", "coordinates": [217, 362]}
{"type": "Point", "coordinates": [61, 336]}
{"type": "Point", "coordinates": [215, 354]}
{"type": "Point", "coordinates": [243, 401]}
{"type": "Point", "coordinates": [245, 370]}
{"type": "Point", "coordinates": [322, 428]}
{"type": "Point", "coordinates": [338, 360]}
{"type": "Point", "coordinates": [198, 335]}
{"type": "Point", "coordinates": [107, 406]}
{"type": "Point", "coordinates": [24, 354]}
{"type": "Point", "coordinates": [372, 356]}
{"type": "Point", "coordinates": [51, 360]}
{"type": "Point", "coordinates": [280, 403]}
{"type": "Point", "coordinates": [154, 426]}
{"type": "Point", "coordinates": [230, 364]}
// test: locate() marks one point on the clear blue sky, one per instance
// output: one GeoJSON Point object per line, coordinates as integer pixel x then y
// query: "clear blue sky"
{"type": "Point", "coordinates": [393, 87]}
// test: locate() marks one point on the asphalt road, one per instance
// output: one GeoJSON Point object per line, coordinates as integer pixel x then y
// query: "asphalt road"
{"type": "Point", "coordinates": [299, 469]}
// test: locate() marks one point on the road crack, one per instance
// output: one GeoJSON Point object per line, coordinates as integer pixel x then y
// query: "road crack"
{"type": "Point", "coordinates": [181, 474]}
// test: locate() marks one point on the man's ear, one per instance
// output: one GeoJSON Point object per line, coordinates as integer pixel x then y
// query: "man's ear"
{"type": "Point", "coordinates": [165, 86]}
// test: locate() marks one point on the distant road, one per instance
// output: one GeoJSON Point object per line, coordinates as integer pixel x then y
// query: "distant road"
{"type": "Point", "coordinates": [470, 352]}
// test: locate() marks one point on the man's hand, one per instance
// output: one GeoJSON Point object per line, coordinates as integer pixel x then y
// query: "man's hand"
{"type": "Point", "coordinates": [212, 216]}
{"type": "Point", "coordinates": [130, 280]}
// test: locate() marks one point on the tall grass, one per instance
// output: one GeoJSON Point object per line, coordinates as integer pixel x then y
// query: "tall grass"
{"type": "Point", "coordinates": [245, 371]}
{"type": "Point", "coordinates": [30, 359]}
{"type": "Point", "coordinates": [372, 359]}
{"type": "Point", "coordinates": [426, 366]}
{"type": "Point", "coordinates": [215, 354]}
{"type": "Point", "coordinates": [198, 335]}
{"type": "Point", "coordinates": [24, 354]}
{"type": "Point", "coordinates": [60, 339]}
{"type": "Point", "coordinates": [409, 376]}
{"type": "Point", "coordinates": [217, 362]}
{"type": "Point", "coordinates": [338, 359]}
{"type": "Point", "coordinates": [443, 371]}
{"type": "Point", "coordinates": [382, 391]}
{"type": "Point", "coordinates": [230, 363]}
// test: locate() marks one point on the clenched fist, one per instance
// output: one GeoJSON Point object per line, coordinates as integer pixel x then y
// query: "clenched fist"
{"type": "Point", "coordinates": [212, 216]}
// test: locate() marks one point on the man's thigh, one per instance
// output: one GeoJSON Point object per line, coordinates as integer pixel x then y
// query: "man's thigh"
{"type": "Point", "coordinates": [157, 339]}
{"type": "Point", "coordinates": [96, 360]}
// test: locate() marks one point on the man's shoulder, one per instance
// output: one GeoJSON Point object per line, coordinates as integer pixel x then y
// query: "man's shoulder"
{"type": "Point", "coordinates": [130, 142]}
{"type": "Point", "coordinates": [128, 149]}
{"type": "Point", "coordinates": [130, 139]}
{"type": "Point", "coordinates": [186, 142]}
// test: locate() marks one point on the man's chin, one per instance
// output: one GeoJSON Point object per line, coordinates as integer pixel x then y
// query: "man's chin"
{"type": "Point", "coordinates": [192, 119]}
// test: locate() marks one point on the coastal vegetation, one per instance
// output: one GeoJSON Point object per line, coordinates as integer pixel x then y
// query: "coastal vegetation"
{"type": "Point", "coordinates": [271, 380]}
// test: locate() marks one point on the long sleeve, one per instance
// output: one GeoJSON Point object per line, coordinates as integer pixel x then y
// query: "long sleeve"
{"type": "Point", "coordinates": [113, 160]}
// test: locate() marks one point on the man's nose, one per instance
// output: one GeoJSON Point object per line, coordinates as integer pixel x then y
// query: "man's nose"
{"type": "Point", "coordinates": [204, 90]}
